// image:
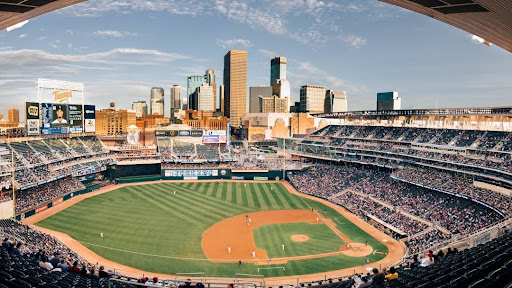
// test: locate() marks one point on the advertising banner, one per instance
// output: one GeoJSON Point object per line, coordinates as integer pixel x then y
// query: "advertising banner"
{"type": "Point", "coordinates": [32, 118]}
{"type": "Point", "coordinates": [75, 118]}
{"type": "Point", "coordinates": [210, 139]}
{"type": "Point", "coordinates": [89, 118]}
{"type": "Point", "coordinates": [216, 132]}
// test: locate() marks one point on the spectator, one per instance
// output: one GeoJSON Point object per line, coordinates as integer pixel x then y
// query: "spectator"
{"type": "Point", "coordinates": [378, 278]}
{"type": "Point", "coordinates": [45, 263]}
{"type": "Point", "coordinates": [392, 275]}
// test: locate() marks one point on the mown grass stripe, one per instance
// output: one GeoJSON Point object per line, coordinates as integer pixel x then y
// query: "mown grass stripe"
{"type": "Point", "coordinates": [277, 196]}
{"type": "Point", "coordinates": [243, 195]}
{"type": "Point", "coordinates": [287, 197]}
{"type": "Point", "coordinates": [217, 189]}
{"type": "Point", "coordinates": [258, 199]}
{"type": "Point", "coordinates": [178, 208]}
{"type": "Point", "coordinates": [266, 198]}
{"type": "Point", "coordinates": [206, 200]}
{"type": "Point", "coordinates": [175, 211]}
{"type": "Point", "coordinates": [234, 193]}
{"type": "Point", "coordinates": [224, 192]}
{"type": "Point", "coordinates": [208, 208]}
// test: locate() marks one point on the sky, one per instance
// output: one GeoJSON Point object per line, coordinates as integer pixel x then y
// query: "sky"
{"type": "Point", "coordinates": [120, 49]}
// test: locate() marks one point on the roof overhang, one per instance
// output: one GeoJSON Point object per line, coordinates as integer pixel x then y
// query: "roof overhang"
{"type": "Point", "coordinates": [16, 11]}
{"type": "Point", "coordinates": [490, 20]}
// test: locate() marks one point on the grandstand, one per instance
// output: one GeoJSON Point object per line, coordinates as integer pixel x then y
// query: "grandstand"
{"type": "Point", "coordinates": [430, 188]}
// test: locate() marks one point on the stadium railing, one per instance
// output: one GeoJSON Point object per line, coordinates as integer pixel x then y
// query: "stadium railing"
{"type": "Point", "coordinates": [207, 282]}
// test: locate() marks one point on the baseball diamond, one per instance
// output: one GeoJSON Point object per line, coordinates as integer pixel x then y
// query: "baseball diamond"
{"type": "Point", "coordinates": [174, 228]}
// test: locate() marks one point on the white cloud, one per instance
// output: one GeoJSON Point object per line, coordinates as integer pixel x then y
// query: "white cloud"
{"type": "Point", "coordinates": [315, 22]}
{"type": "Point", "coordinates": [114, 34]}
{"type": "Point", "coordinates": [234, 43]}
{"type": "Point", "coordinates": [267, 53]}
{"type": "Point", "coordinates": [23, 35]}
{"type": "Point", "coordinates": [307, 73]}
{"type": "Point", "coordinates": [352, 40]}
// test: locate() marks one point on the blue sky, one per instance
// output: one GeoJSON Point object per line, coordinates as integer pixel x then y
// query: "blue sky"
{"type": "Point", "coordinates": [120, 49]}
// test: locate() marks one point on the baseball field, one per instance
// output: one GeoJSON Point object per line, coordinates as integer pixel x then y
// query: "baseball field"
{"type": "Point", "coordinates": [205, 228]}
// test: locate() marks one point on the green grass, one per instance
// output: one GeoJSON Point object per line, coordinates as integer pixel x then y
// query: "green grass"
{"type": "Point", "coordinates": [150, 219]}
{"type": "Point", "coordinates": [271, 236]}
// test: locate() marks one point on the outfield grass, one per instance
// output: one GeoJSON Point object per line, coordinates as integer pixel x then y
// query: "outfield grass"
{"type": "Point", "coordinates": [156, 229]}
{"type": "Point", "coordinates": [271, 237]}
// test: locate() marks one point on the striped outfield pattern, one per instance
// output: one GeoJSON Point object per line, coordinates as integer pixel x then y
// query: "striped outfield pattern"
{"type": "Point", "coordinates": [138, 221]}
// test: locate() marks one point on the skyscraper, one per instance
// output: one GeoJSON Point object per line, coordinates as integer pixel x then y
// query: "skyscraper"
{"type": "Point", "coordinates": [140, 108]}
{"type": "Point", "coordinates": [205, 97]}
{"type": "Point", "coordinates": [210, 80]}
{"type": "Point", "coordinates": [277, 69]}
{"type": "Point", "coordinates": [335, 101]}
{"type": "Point", "coordinates": [388, 101]}
{"type": "Point", "coordinates": [193, 82]}
{"type": "Point", "coordinates": [312, 99]}
{"type": "Point", "coordinates": [254, 97]}
{"type": "Point", "coordinates": [235, 86]}
{"type": "Point", "coordinates": [157, 101]}
{"type": "Point", "coordinates": [221, 96]}
{"type": "Point", "coordinates": [14, 116]}
{"type": "Point", "coordinates": [175, 100]}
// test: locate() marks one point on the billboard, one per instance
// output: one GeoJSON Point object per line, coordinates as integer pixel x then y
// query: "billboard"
{"type": "Point", "coordinates": [89, 118]}
{"type": "Point", "coordinates": [211, 139]}
{"type": "Point", "coordinates": [75, 118]}
{"type": "Point", "coordinates": [49, 114]}
{"type": "Point", "coordinates": [65, 118]}
{"type": "Point", "coordinates": [32, 118]}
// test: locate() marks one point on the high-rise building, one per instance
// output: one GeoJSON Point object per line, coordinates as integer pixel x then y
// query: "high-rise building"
{"type": "Point", "coordinates": [114, 122]}
{"type": "Point", "coordinates": [210, 80]}
{"type": "Point", "coordinates": [273, 104]}
{"type": "Point", "coordinates": [205, 97]}
{"type": "Point", "coordinates": [14, 116]}
{"type": "Point", "coordinates": [193, 82]}
{"type": "Point", "coordinates": [140, 108]}
{"type": "Point", "coordinates": [221, 96]}
{"type": "Point", "coordinates": [335, 101]}
{"type": "Point", "coordinates": [254, 97]}
{"type": "Point", "coordinates": [184, 102]}
{"type": "Point", "coordinates": [388, 101]}
{"type": "Point", "coordinates": [157, 101]}
{"type": "Point", "coordinates": [277, 69]}
{"type": "Point", "coordinates": [312, 99]}
{"type": "Point", "coordinates": [175, 101]}
{"type": "Point", "coordinates": [235, 85]}
{"type": "Point", "coordinates": [1, 116]}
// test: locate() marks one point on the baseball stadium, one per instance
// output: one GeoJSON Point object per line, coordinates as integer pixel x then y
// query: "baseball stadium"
{"type": "Point", "coordinates": [335, 199]}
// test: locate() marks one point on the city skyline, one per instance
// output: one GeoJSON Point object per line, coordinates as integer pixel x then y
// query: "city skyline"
{"type": "Point", "coordinates": [369, 51]}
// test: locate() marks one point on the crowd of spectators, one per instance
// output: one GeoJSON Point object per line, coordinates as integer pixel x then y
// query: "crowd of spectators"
{"type": "Point", "coordinates": [456, 184]}
{"type": "Point", "coordinates": [423, 242]}
{"type": "Point", "coordinates": [363, 205]}
{"type": "Point", "coordinates": [456, 215]}
{"type": "Point", "coordinates": [46, 251]}
{"type": "Point", "coordinates": [38, 195]}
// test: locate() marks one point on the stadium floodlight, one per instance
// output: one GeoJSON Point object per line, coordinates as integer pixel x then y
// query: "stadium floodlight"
{"type": "Point", "coordinates": [16, 26]}
{"type": "Point", "coordinates": [481, 40]}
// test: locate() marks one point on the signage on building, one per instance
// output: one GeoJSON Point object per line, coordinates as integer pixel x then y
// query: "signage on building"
{"type": "Point", "coordinates": [62, 96]}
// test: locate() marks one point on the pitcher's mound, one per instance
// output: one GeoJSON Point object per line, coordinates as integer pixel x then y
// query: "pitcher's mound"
{"type": "Point", "coordinates": [299, 238]}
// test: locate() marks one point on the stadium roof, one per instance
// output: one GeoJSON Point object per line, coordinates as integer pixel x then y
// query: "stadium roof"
{"type": "Point", "coordinates": [15, 11]}
{"type": "Point", "coordinates": [490, 20]}
{"type": "Point", "coordinates": [484, 111]}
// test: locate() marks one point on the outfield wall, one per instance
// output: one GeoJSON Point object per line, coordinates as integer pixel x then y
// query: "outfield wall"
{"type": "Point", "coordinates": [228, 174]}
